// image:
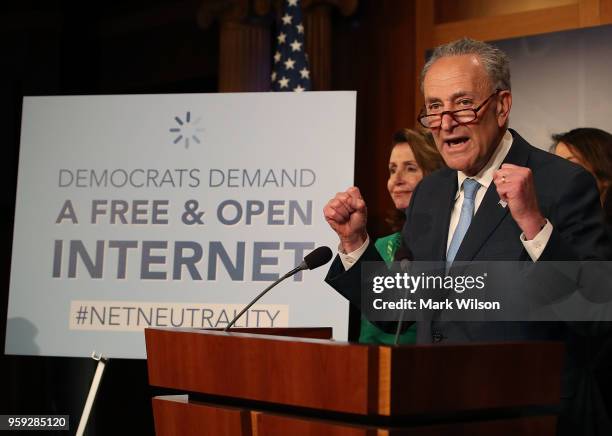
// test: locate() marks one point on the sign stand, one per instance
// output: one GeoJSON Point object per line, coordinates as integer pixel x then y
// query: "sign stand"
{"type": "Point", "coordinates": [93, 390]}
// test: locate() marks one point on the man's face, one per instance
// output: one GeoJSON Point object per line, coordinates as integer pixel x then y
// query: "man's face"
{"type": "Point", "coordinates": [461, 82]}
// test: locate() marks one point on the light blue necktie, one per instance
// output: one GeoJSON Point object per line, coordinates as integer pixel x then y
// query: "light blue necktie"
{"type": "Point", "coordinates": [470, 187]}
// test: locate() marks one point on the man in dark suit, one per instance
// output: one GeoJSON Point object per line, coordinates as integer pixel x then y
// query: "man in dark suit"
{"type": "Point", "coordinates": [499, 199]}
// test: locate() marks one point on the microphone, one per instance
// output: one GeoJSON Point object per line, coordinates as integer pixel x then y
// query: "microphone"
{"type": "Point", "coordinates": [317, 257]}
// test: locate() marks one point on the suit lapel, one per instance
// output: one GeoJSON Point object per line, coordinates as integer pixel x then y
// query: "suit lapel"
{"type": "Point", "coordinates": [490, 213]}
{"type": "Point", "coordinates": [445, 200]}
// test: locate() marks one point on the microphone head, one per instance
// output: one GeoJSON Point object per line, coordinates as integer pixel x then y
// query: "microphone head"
{"type": "Point", "coordinates": [317, 257]}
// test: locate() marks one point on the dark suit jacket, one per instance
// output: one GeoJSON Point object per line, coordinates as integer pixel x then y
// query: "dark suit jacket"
{"type": "Point", "coordinates": [567, 196]}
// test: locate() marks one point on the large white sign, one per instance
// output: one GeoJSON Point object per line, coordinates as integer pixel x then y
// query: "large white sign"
{"type": "Point", "coordinates": [172, 210]}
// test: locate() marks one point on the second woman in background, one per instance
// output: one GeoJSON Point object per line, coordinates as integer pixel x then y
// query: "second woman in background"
{"type": "Point", "coordinates": [592, 149]}
{"type": "Point", "coordinates": [591, 342]}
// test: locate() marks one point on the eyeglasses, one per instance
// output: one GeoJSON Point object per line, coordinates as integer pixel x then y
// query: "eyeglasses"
{"type": "Point", "coordinates": [461, 116]}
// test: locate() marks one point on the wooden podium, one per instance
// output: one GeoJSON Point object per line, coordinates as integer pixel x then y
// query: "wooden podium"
{"type": "Point", "coordinates": [248, 383]}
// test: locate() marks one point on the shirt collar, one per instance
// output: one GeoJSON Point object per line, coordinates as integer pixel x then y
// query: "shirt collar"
{"type": "Point", "coordinates": [485, 175]}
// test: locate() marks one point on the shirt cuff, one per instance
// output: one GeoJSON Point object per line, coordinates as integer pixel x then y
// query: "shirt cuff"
{"type": "Point", "coordinates": [535, 247]}
{"type": "Point", "coordinates": [349, 259]}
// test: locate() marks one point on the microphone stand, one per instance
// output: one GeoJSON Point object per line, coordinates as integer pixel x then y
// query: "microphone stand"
{"type": "Point", "coordinates": [398, 330]}
{"type": "Point", "coordinates": [315, 259]}
{"type": "Point", "coordinates": [297, 269]}
{"type": "Point", "coordinates": [404, 265]}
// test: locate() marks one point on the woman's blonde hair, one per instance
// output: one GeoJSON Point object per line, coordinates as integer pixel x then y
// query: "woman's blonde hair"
{"type": "Point", "coordinates": [423, 147]}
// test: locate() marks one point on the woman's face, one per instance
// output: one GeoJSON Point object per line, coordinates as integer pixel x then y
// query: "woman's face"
{"type": "Point", "coordinates": [564, 151]}
{"type": "Point", "coordinates": [404, 175]}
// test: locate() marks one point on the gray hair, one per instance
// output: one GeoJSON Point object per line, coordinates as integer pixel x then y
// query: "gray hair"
{"type": "Point", "coordinates": [494, 61]}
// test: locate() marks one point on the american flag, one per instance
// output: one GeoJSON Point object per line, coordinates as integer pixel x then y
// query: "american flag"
{"type": "Point", "coordinates": [290, 70]}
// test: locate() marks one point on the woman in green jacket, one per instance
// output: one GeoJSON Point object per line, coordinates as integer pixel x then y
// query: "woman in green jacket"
{"type": "Point", "coordinates": [413, 156]}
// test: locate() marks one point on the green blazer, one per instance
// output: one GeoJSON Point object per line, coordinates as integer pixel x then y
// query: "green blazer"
{"type": "Point", "coordinates": [368, 332]}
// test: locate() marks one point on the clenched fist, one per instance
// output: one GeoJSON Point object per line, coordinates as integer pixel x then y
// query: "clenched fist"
{"type": "Point", "coordinates": [515, 186]}
{"type": "Point", "coordinates": [347, 215]}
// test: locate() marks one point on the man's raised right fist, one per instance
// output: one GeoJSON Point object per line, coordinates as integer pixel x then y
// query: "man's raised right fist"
{"type": "Point", "coordinates": [347, 215]}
